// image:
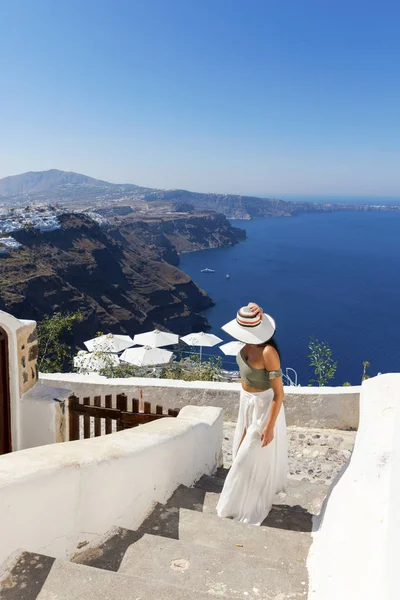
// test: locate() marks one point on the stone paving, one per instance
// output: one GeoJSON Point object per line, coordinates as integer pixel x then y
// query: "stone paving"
{"type": "Point", "coordinates": [315, 455]}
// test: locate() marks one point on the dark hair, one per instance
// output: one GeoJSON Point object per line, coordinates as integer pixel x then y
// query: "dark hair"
{"type": "Point", "coordinates": [272, 342]}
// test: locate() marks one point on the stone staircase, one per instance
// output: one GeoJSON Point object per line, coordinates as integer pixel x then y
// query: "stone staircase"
{"type": "Point", "coordinates": [183, 551]}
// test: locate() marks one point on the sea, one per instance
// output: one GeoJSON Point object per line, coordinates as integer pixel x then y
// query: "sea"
{"type": "Point", "coordinates": [335, 276]}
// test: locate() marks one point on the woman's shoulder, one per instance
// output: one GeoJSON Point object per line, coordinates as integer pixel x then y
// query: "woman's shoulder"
{"type": "Point", "coordinates": [271, 358]}
{"type": "Point", "coordinates": [269, 350]}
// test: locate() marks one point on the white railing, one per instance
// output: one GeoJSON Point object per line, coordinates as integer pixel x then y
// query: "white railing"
{"type": "Point", "coordinates": [290, 380]}
{"type": "Point", "coordinates": [331, 407]}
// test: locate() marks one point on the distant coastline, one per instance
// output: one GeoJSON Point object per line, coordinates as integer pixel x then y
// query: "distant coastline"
{"type": "Point", "coordinates": [347, 200]}
{"type": "Point", "coordinates": [75, 191]}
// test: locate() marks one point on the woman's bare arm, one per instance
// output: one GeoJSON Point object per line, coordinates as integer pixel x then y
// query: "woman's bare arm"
{"type": "Point", "coordinates": [272, 363]}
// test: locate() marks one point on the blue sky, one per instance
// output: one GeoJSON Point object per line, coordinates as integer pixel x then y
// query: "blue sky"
{"type": "Point", "coordinates": [265, 97]}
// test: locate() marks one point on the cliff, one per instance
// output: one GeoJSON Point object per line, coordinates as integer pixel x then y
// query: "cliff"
{"type": "Point", "coordinates": [173, 235]}
{"type": "Point", "coordinates": [113, 276]}
{"type": "Point", "coordinates": [246, 207]}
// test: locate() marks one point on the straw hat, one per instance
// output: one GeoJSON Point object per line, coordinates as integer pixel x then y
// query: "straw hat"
{"type": "Point", "coordinates": [250, 328]}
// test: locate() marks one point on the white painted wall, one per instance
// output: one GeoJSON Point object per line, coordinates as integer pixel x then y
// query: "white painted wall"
{"type": "Point", "coordinates": [391, 569]}
{"type": "Point", "coordinates": [43, 416]}
{"type": "Point", "coordinates": [11, 325]}
{"type": "Point", "coordinates": [331, 407]}
{"type": "Point", "coordinates": [354, 552]}
{"type": "Point", "coordinates": [53, 497]}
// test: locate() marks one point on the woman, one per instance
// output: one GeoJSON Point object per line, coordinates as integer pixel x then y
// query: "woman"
{"type": "Point", "coordinates": [259, 467]}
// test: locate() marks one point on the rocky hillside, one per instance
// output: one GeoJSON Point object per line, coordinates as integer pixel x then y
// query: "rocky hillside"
{"type": "Point", "coordinates": [177, 234]}
{"type": "Point", "coordinates": [115, 277]}
{"type": "Point", "coordinates": [232, 206]}
{"type": "Point", "coordinates": [80, 191]}
{"type": "Point", "coordinates": [76, 190]}
{"type": "Point", "coordinates": [59, 186]}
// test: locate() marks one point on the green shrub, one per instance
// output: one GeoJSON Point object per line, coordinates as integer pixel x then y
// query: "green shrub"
{"type": "Point", "coordinates": [321, 359]}
{"type": "Point", "coordinates": [54, 352]}
{"type": "Point", "coordinates": [193, 369]}
{"type": "Point", "coordinates": [124, 370]}
{"type": "Point", "coordinates": [365, 375]}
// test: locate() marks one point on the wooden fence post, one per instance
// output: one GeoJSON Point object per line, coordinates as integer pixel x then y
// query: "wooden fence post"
{"type": "Point", "coordinates": [108, 400]}
{"type": "Point", "coordinates": [122, 405]}
{"type": "Point", "coordinates": [86, 420]}
{"type": "Point", "coordinates": [73, 419]}
{"type": "Point", "coordinates": [97, 420]}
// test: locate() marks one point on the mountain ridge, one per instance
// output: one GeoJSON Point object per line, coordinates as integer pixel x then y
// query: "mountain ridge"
{"type": "Point", "coordinates": [77, 191]}
{"type": "Point", "coordinates": [25, 186]}
{"type": "Point", "coordinates": [41, 181]}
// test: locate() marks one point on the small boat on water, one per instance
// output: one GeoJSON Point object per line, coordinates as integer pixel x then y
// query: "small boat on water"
{"type": "Point", "coordinates": [207, 271]}
{"type": "Point", "coordinates": [228, 276]}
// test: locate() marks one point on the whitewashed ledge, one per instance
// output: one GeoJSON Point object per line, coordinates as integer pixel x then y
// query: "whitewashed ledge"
{"type": "Point", "coordinates": [54, 497]}
{"type": "Point", "coordinates": [354, 555]}
{"type": "Point", "coordinates": [324, 407]}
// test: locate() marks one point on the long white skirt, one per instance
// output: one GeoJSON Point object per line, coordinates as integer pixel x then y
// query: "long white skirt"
{"type": "Point", "coordinates": [257, 473]}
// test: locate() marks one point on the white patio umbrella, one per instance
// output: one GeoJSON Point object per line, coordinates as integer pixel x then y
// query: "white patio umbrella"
{"type": "Point", "coordinates": [109, 343]}
{"type": "Point", "coordinates": [146, 356]}
{"type": "Point", "coordinates": [201, 339]}
{"type": "Point", "coordinates": [232, 348]}
{"type": "Point", "coordinates": [156, 338]}
{"type": "Point", "coordinates": [94, 361]}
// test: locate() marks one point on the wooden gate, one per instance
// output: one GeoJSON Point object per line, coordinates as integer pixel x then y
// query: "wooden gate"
{"type": "Point", "coordinates": [100, 417]}
{"type": "Point", "coordinates": [5, 408]}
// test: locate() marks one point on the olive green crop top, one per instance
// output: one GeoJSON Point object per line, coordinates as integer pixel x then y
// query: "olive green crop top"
{"type": "Point", "coordinates": [258, 379]}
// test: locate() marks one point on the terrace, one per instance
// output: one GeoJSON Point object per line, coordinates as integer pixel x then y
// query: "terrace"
{"type": "Point", "coordinates": [315, 541]}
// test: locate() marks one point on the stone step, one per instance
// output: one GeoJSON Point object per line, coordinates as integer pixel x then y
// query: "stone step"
{"type": "Point", "coordinates": [288, 513]}
{"type": "Point", "coordinates": [23, 575]}
{"type": "Point", "coordinates": [163, 519]}
{"type": "Point", "coordinates": [305, 494]}
{"type": "Point", "coordinates": [209, 530]}
{"type": "Point", "coordinates": [287, 525]}
{"type": "Point", "coordinates": [210, 488]}
{"type": "Point", "coordinates": [285, 545]}
{"type": "Point", "coordinates": [199, 569]}
{"type": "Point", "coordinates": [210, 483]}
{"type": "Point", "coordinates": [69, 581]}
{"type": "Point", "coordinates": [307, 497]}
